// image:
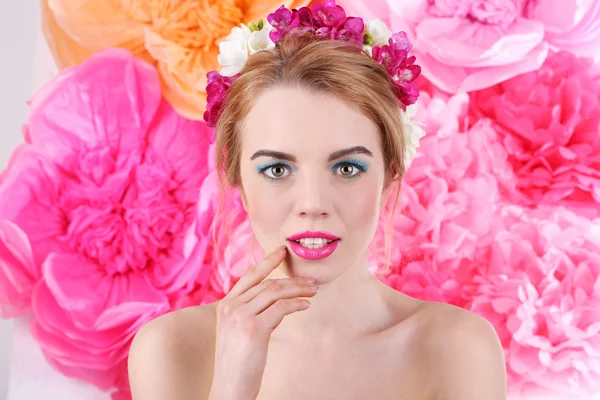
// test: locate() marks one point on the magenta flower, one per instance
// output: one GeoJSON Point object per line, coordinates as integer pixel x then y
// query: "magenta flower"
{"type": "Point", "coordinates": [550, 125]}
{"type": "Point", "coordinates": [401, 68]}
{"type": "Point", "coordinates": [283, 20]}
{"type": "Point", "coordinates": [326, 20]}
{"type": "Point", "coordinates": [216, 92]}
{"type": "Point", "coordinates": [105, 192]}
{"type": "Point", "coordinates": [351, 31]}
{"type": "Point", "coordinates": [329, 14]}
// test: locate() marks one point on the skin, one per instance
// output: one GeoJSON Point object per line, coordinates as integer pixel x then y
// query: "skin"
{"type": "Point", "coordinates": [317, 194]}
{"type": "Point", "coordinates": [359, 338]}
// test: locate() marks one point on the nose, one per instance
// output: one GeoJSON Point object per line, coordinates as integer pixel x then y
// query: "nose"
{"type": "Point", "coordinates": [312, 196]}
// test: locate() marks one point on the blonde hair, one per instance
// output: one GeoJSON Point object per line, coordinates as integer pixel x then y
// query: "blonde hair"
{"type": "Point", "coordinates": [307, 61]}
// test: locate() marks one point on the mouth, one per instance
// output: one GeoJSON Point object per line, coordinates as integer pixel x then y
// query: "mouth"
{"type": "Point", "coordinates": [313, 245]}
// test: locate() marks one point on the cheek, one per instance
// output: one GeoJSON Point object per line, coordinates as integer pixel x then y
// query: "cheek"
{"type": "Point", "coordinates": [361, 211]}
{"type": "Point", "coordinates": [265, 216]}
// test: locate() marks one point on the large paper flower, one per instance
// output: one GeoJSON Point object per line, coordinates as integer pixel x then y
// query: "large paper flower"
{"type": "Point", "coordinates": [465, 45]}
{"type": "Point", "coordinates": [550, 123]}
{"type": "Point", "coordinates": [445, 217]}
{"type": "Point", "coordinates": [180, 37]}
{"type": "Point", "coordinates": [105, 191]}
{"type": "Point", "coordinates": [541, 290]}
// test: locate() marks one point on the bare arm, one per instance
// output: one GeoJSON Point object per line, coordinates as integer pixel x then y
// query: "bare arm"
{"type": "Point", "coordinates": [472, 362]}
{"type": "Point", "coordinates": [172, 357]}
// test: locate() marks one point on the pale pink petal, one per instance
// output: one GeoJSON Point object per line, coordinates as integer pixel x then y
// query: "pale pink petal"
{"type": "Point", "coordinates": [460, 43]}
{"type": "Point", "coordinates": [455, 79]}
{"type": "Point", "coordinates": [18, 271]}
{"type": "Point", "coordinates": [28, 195]}
{"type": "Point", "coordinates": [570, 26]}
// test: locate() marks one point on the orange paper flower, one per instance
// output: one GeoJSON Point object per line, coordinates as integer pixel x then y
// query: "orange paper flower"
{"type": "Point", "coordinates": [181, 37]}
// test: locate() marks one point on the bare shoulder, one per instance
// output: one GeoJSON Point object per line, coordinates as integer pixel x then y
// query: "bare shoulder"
{"type": "Point", "coordinates": [465, 353]}
{"type": "Point", "coordinates": [172, 356]}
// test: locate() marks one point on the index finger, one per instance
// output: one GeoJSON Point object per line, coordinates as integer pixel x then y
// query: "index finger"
{"type": "Point", "coordinates": [258, 272]}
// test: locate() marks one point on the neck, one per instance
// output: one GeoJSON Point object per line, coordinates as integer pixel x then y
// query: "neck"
{"type": "Point", "coordinates": [349, 305]}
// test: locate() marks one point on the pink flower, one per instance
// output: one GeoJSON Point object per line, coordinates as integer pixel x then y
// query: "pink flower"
{"type": "Point", "coordinates": [541, 290]}
{"type": "Point", "coordinates": [550, 125]}
{"type": "Point", "coordinates": [445, 217]}
{"type": "Point", "coordinates": [105, 192]}
{"type": "Point", "coordinates": [216, 92]}
{"type": "Point", "coordinates": [284, 20]}
{"type": "Point", "coordinates": [18, 271]}
{"type": "Point", "coordinates": [466, 45]}
{"type": "Point", "coordinates": [326, 19]}
{"type": "Point", "coordinates": [394, 57]}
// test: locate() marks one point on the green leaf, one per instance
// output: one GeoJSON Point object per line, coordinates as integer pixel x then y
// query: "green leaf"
{"type": "Point", "coordinates": [253, 27]}
{"type": "Point", "coordinates": [261, 24]}
{"type": "Point", "coordinates": [367, 37]}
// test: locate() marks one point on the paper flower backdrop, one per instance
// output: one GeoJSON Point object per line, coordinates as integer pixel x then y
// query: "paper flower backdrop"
{"type": "Point", "coordinates": [549, 120]}
{"type": "Point", "coordinates": [110, 217]}
{"type": "Point", "coordinates": [465, 45]}
{"type": "Point", "coordinates": [533, 272]}
{"type": "Point", "coordinates": [94, 209]}
{"type": "Point", "coordinates": [180, 37]}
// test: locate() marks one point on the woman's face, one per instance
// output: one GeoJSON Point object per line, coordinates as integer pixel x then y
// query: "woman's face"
{"type": "Point", "coordinates": [310, 162]}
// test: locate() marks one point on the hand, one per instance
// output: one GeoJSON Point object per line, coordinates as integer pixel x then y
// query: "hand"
{"type": "Point", "coordinates": [246, 317]}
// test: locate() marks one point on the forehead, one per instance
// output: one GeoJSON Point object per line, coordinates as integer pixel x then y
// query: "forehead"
{"type": "Point", "coordinates": [297, 120]}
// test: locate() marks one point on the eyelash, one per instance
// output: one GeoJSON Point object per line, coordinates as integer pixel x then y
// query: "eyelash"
{"type": "Point", "coordinates": [362, 168]}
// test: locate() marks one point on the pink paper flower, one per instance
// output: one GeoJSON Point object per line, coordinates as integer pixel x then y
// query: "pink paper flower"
{"type": "Point", "coordinates": [105, 192]}
{"type": "Point", "coordinates": [550, 125]}
{"type": "Point", "coordinates": [402, 69]}
{"type": "Point", "coordinates": [541, 290]}
{"type": "Point", "coordinates": [216, 92]}
{"type": "Point", "coordinates": [466, 45]}
{"type": "Point", "coordinates": [445, 217]}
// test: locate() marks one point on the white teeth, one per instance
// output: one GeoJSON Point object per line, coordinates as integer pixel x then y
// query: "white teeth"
{"type": "Point", "coordinates": [313, 243]}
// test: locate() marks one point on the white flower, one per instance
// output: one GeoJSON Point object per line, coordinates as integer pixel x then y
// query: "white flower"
{"type": "Point", "coordinates": [413, 132]}
{"type": "Point", "coordinates": [379, 31]}
{"type": "Point", "coordinates": [368, 49]}
{"type": "Point", "coordinates": [260, 40]}
{"type": "Point", "coordinates": [234, 51]}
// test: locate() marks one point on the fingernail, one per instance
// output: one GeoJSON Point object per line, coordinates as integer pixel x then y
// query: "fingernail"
{"type": "Point", "coordinates": [309, 280]}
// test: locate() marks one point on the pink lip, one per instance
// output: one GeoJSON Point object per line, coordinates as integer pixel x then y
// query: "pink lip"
{"type": "Point", "coordinates": [309, 234]}
{"type": "Point", "coordinates": [313, 254]}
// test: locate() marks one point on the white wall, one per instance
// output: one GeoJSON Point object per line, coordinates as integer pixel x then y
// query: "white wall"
{"type": "Point", "coordinates": [19, 20]}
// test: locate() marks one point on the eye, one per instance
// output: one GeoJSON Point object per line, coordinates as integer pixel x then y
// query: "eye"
{"type": "Point", "coordinates": [350, 169]}
{"type": "Point", "coordinates": [274, 171]}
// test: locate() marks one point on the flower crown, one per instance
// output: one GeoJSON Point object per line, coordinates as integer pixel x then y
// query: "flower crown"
{"type": "Point", "coordinates": [328, 21]}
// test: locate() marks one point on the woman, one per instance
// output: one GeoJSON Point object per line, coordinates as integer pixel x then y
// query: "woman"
{"type": "Point", "coordinates": [310, 131]}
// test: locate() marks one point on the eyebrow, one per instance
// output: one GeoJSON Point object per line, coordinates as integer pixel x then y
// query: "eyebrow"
{"type": "Point", "coordinates": [333, 156]}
